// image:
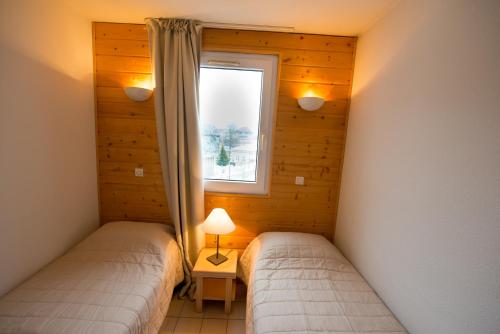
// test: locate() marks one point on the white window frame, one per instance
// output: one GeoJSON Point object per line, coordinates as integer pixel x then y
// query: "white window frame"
{"type": "Point", "coordinates": [269, 65]}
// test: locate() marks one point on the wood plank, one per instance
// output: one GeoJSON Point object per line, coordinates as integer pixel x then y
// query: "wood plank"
{"type": "Point", "coordinates": [140, 218]}
{"type": "Point", "coordinates": [317, 58]}
{"type": "Point", "coordinates": [307, 151]}
{"type": "Point", "coordinates": [278, 40]}
{"type": "Point", "coordinates": [131, 193]}
{"type": "Point", "coordinates": [268, 206]}
{"type": "Point", "coordinates": [112, 94]}
{"type": "Point", "coordinates": [326, 174]}
{"type": "Point", "coordinates": [133, 211]}
{"type": "Point", "coordinates": [287, 218]}
{"type": "Point", "coordinates": [229, 241]}
{"type": "Point", "coordinates": [287, 193]}
{"type": "Point", "coordinates": [321, 160]}
{"type": "Point", "coordinates": [125, 110]}
{"type": "Point", "coordinates": [309, 182]}
{"type": "Point", "coordinates": [123, 64]}
{"type": "Point", "coordinates": [292, 226]}
{"type": "Point", "coordinates": [241, 229]}
{"type": "Point", "coordinates": [270, 221]}
{"type": "Point", "coordinates": [136, 155]}
{"type": "Point", "coordinates": [307, 136]}
{"type": "Point", "coordinates": [326, 91]}
{"type": "Point", "coordinates": [215, 290]}
{"type": "Point", "coordinates": [121, 47]}
{"type": "Point", "coordinates": [134, 202]}
{"type": "Point", "coordinates": [121, 31]}
{"type": "Point", "coordinates": [107, 125]}
{"type": "Point", "coordinates": [135, 188]}
{"type": "Point", "coordinates": [122, 79]}
{"type": "Point", "coordinates": [309, 74]}
{"type": "Point", "coordinates": [310, 120]}
{"type": "Point", "coordinates": [127, 140]}
{"type": "Point", "coordinates": [123, 173]}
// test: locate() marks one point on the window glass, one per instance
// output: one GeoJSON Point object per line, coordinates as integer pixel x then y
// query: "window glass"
{"type": "Point", "coordinates": [237, 119]}
{"type": "Point", "coordinates": [230, 108]}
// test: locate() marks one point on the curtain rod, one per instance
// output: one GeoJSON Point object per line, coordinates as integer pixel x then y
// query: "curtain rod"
{"type": "Point", "coordinates": [238, 26]}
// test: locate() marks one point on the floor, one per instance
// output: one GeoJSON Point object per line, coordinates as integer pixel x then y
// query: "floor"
{"type": "Point", "coordinates": [182, 317]}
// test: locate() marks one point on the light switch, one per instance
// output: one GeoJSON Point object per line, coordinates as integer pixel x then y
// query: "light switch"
{"type": "Point", "coordinates": [299, 180]}
{"type": "Point", "coordinates": [139, 172]}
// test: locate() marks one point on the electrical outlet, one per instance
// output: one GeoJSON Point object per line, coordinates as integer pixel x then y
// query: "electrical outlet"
{"type": "Point", "coordinates": [139, 172]}
{"type": "Point", "coordinates": [299, 180]}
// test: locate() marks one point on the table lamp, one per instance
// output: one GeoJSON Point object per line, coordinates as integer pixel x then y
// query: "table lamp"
{"type": "Point", "coordinates": [218, 222]}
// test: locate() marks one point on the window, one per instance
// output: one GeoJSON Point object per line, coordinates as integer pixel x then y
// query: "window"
{"type": "Point", "coordinates": [237, 106]}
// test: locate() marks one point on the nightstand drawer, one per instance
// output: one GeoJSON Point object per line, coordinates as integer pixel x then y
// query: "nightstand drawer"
{"type": "Point", "coordinates": [215, 289]}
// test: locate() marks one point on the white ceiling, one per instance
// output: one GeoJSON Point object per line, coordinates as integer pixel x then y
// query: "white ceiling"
{"type": "Point", "coordinates": [334, 17]}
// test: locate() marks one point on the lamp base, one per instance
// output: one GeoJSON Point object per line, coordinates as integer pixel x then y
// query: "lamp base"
{"type": "Point", "coordinates": [216, 260]}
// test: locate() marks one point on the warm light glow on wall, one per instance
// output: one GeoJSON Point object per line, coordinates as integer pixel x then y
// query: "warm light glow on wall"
{"type": "Point", "coordinates": [310, 101]}
{"type": "Point", "coordinates": [139, 90]}
{"type": "Point", "coordinates": [309, 93]}
{"type": "Point", "coordinates": [146, 84]}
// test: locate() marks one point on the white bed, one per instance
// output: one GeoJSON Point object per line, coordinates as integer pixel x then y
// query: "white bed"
{"type": "Point", "coordinates": [118, 280]}
{"type": "Point", "coordinates": [300, 283]}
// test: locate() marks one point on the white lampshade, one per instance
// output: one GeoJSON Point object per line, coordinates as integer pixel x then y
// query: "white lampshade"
{"type": "Point", "coordinates": [138, 94]}
{"type": "Point", "coordinates": [218, 222]}
{"type": "Point", "coordinates": [311, 103]}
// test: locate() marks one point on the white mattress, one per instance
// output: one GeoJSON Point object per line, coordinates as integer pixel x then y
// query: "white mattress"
{"type": "Point", "coordinates": [301, 283]}
{"type": "Point", "coordinates": [118, 280]}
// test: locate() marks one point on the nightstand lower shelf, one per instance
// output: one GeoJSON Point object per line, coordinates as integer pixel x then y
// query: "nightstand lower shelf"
{"type": "Point", "coordinates": [208, 288]}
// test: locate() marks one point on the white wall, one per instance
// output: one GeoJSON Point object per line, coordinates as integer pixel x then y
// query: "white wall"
{"type": "Point", "coordinates": [419, 210]}
{"type": "Point", "coordinates": [48, 191]}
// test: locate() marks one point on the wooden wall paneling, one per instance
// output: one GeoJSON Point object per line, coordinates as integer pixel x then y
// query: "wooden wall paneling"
{"type": "Point", "coordinates": [126, 129]}
{"type": "Point", "coordinates": [326, 59]}
{"type": "Point", "coordinates": [96, 123]}
{"type": "Point", "coordinates": [119, 79]}
{"type": "Point", "coordinates": [123, 64]}
{"type": "Point", "coordinates": [308, 144]}
{"type": "Point", "coordinates": [309, 74]}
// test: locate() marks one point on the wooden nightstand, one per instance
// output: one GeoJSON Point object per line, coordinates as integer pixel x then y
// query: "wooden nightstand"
{"type": "Point", "coordinates": [215, 282]}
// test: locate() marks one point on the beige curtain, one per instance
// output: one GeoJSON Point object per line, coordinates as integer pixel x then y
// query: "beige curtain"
{"type": "Point", "coordinates": [175, 46]}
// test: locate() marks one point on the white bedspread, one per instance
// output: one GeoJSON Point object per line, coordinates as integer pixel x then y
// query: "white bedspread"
{"type": "Point", "coordinates": [118, 280]}
{"type": "Point", "coordinates": [301, 283]}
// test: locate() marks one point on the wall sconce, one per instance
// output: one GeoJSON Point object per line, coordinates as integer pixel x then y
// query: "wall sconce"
{"type": "Point", "coordinates": [310, 103]}
{"type": "Point", "coordinates": [138, 94]}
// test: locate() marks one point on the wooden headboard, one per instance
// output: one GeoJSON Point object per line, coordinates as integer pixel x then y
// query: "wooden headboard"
{"type": "Point", "coordinates": [309, 144]}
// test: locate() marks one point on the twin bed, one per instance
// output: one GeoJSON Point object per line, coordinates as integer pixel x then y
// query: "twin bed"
{"type": "Point", "coordinates": [300, 283]}
{"type": "Point", "coordinates": [118, 280]}
{"type": "Point", "coordinates": [121, 278]}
